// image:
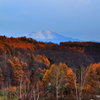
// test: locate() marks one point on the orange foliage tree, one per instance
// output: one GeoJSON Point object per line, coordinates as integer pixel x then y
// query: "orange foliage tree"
{"type": "Point", "coordinates": [43, 59]}
{"type": "Point", "coordinates": [18, 69]}
{"type": "Point", "coordinates": [56, 77]}
{"type": "Point", "coordinates": [91, 81]}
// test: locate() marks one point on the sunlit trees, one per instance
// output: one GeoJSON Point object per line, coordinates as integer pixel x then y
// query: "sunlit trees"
{"type": "Point", "coordinates": [43, 59]}
{"type": "Point", "coordinates": [18, 74]}
{"type": "Point", "coordinates": [91, 82]}
{"type": "Point", "coordinates": [70, 81]}
{"type": "Point", "coordinates": [18, 68]}
{"type": "Point", "coordinates": [56, 77]}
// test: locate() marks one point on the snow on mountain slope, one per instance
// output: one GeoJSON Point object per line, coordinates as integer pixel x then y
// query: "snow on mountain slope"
{"type": "Point", "coordinates": [44, 34]}
{"type": "Point", "coordinates": [49, 36]}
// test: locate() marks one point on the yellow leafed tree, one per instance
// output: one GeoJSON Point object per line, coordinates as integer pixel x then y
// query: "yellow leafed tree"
{"type": "Point", "coordinates": [56, 77]}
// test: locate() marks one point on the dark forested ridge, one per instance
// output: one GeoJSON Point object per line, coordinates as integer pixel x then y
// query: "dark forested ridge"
{"type": "Point", "coordinates": [91, 49]}
{"type": "Point", "coordinates": [25, 61]}
{"type": "Point", "coordinates": [72, 53]}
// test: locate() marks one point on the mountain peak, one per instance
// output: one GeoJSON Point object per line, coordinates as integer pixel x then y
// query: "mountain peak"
{"type": "Point", "coordinates": [44, 34]}
{"type": "Point", "coordinates": [49, 36]}
{"type": "Point", "coordinates": [46, 31]}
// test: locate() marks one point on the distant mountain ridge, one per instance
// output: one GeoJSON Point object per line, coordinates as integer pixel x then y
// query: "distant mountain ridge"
{"type": "Point", "coordinates": [49, 36]}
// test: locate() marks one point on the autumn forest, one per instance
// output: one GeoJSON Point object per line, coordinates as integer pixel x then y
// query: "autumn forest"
{"type": "Point", "coordinates": [34, 70]}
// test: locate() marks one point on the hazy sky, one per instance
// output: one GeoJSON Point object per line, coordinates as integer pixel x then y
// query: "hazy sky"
{"type": "Point", "coordinates": [71, 18]}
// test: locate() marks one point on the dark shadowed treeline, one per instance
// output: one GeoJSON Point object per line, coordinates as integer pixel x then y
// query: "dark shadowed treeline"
{"type": "Point", "coordinates": [91, 49]}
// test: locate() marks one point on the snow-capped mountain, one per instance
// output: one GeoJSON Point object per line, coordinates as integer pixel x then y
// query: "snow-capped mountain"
{"type": "Point", "coordinates": [49, 36]}
{"type": "Point", "coordinates": [44, 34]}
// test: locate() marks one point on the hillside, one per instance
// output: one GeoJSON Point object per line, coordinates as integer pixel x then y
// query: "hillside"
{"type": "Point", "coordinates": [90, 49]}
{"type": "Point", "coordinates": [81, 55]}
{"type": "Point", "coordinates": [25, 61]}
{"type": "Point", "coordinates": [74, 54]}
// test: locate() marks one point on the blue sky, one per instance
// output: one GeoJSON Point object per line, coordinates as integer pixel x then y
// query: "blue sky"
{"type": "Point", "coordinates": [71, 18]}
